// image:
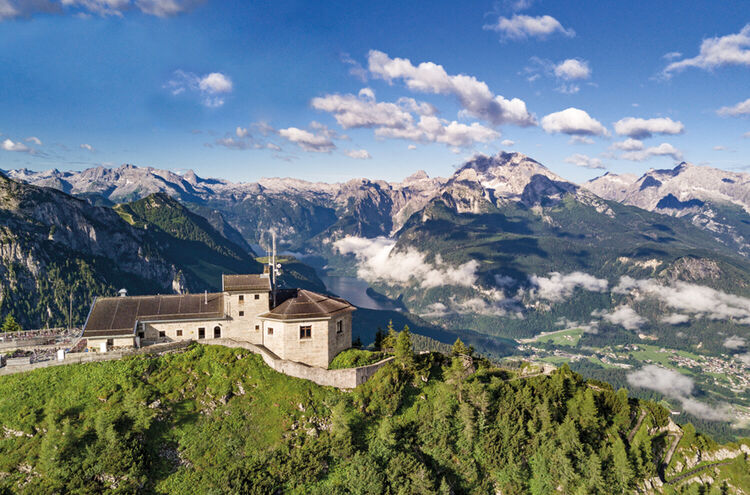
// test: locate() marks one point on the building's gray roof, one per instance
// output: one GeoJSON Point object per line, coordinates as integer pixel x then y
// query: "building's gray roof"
{"type": "Point", "coordinates": [250, 281]}
{"type": "Point", "coordinates": [113, 316]}
{"type": "Point", "coordinates": [308, 304]}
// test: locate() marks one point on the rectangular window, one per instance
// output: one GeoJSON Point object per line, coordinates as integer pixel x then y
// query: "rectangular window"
{"type": "Point", "coordinates": [340, 326]}
{"type": "Point", "coordinates": [257, 327]}
{"type": "Point", "coordinates": [217, 332]}
{"type": "Point", "coordinates": [241, 299]}
{"type": "Point", "coordinates": [141, 335]}
{"type": "Point", "coordinates": [305, 332]}
{"type": "Point", "coordinates": [242, 313]}
{"type": "Point", "coordinates": [270, 331]}
{"type": "Point", "coordinates": [257, 296]}
{"type": "Point", "coordinates": [162, 334]}
{"type": "Point", "coordinates": [201, 333]}
{"type": "Point", "coordinates": [179, 333]}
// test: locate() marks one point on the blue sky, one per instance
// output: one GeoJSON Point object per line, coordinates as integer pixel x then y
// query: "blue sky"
{"type": "Point", "coordinates": [334, 90]}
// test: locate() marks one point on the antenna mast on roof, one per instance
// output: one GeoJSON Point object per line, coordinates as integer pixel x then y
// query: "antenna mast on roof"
{"type": "Point", "coordinates": [272, 262]}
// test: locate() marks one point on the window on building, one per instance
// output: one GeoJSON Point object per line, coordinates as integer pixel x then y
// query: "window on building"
{"type": "Point", "coordinates": [110, 342]}
{"type": "Point", "coordinates": [201, 333]}
{"type": "Point", "coordinates": [217, 332]}
{"type": "Point", "coordinates": [162, 334]}
{"type": "Point", "coordinates": [305, 332]}
{"type": "Point", "coordinates": [241, 299]}
{"type": "Point", "coordinates": [270, 331]}
{"type": "Point", "coordinates": [141, 335]}
{"type": "Point", "coordinates": [257, 327]}
{"type": "Point", "coordinates": [340, 326]}
{"type": "Point", "coordinates": [242, 313]}
{"type": "Point", "coordinates": [257, 296]}
{"type": "Point", "coordinates": [179, 333]}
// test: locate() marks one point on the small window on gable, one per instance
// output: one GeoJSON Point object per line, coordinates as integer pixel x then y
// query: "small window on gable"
{"type": "Point", "coordinates": [257, 296]}
{"type": "Point", "coordinates": [305, 332]}
{"type": "Point", "coordinates": [242, 313]}
{"type": "Point", "coordinates": [340, 326]}
{"type": "Point", "coordinates": [162, 334]}
{"type": "Point", "coordinates": [179, 333]}
{"type": "Point", "coordinates": [270, 331]}
{"type": "Point", "coordinates": [241, 298]}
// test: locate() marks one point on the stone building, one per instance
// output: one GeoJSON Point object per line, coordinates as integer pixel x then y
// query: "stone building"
{"type": "Point", "coordinates": [301, 326]}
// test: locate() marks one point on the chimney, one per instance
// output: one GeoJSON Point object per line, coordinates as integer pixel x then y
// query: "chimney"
{"type": "Point", "coordinates": [123, 292]}
{"type": "Point", "coordinates": [205, 296]}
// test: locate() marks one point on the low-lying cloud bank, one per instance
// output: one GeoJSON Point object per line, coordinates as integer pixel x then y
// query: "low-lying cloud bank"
{"type": "Point", "coordinates": [697, 300]}
{"type": "Point", "coordinates": [679, 387]}
{"type": "Point", "coordinates": [378, 262]}
{"type": "Point", "coordinates": [558, 287]}
{"type": "Point", "coordinates": [623, 315]}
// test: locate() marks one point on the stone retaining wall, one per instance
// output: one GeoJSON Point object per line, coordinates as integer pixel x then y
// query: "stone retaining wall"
{"type": "Point", "coordinates": [344, 378]}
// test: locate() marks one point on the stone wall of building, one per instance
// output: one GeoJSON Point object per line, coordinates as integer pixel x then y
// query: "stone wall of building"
{"type": "Point", "coordinates": [323, 345]}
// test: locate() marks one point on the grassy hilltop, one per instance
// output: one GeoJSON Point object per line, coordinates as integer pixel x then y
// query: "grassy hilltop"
{"type": "Point", "coordinates": [217, 420]}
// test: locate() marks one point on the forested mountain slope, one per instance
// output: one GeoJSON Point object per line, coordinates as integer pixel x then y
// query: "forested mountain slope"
{"type": "Point", "coordinates": [217, 420]}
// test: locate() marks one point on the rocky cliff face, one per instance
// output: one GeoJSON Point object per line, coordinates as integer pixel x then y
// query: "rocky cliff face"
{"type": "Point", "coordinates": [53, 245]}
{"type": "Point", "coordinates": [715, 200]}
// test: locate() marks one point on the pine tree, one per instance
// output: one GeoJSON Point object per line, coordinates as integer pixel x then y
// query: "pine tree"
{"type": "Point", "coordinates": [403, 349]}
{"type": "Point", "coordinates": [10, 324]}
{"type": "Point", "coordinates": [388, 343]}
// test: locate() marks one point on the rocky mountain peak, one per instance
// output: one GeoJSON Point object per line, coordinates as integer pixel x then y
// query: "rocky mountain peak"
{"type": "Point", "coordinates": [508, 175]}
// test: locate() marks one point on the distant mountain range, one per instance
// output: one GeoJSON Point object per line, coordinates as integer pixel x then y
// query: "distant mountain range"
{"type": "Point", "coordinates": [712, 199]}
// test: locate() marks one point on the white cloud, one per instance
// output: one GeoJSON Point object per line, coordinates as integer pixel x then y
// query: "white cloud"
{"type": "Point", "coordinates": [433, 129]}
{"type": "Point", "coordinates": [318, 141]}
{"type": "Point", "coordinates": [746, 135]}
{"type": "Point", "coordinates": [677, 386]}
{"type": "Point", "coordinates": [165, 8]}
{"type": "Point", "coordinates": [215, 83]}
{"type": "Point", "coordinates": [212, 87]}
{"type": "Point", "coordinates": [363, 111]}
{"type": "Point", "coordinates": [378, 262]}
{"type": "Point", "coordinates": [521, 27]}
{"type": "Point", "coordinates": [735, 342]}
{"type": "Point", "coordinates": [719, 148]}
{"type": "Point", "coordinates": [9, 145]}
{"type": "Point", "coordinates": [732, 49]}
{"type": "Point", "coordinates": [474, 96]}
{"type": "Point", "coordinates": [645, 128]}
{"type": "Point", "coordinates": [508, 142]}
{"type": "Point", "coordinates": [693, 299]}
{"type": "Point", "coordinates": [581, 140]}
{"type": "Point", "coordinates": [741, 109]}
{"type": "Point", "coordinates": [358, 154]}
{"type": "Point", "coordinates": [10, 9]}
{"type": "Point", "coordinates": [86, 147]}
{"type": "Point", "coordinates": [411, 147]}
{"type": "Point", "coordinates": [624, 316]}
{"type": "Point", "coordinates": [671, 55]}
{"type": "Point", "coordinates": [581, 160]}
{"type": "Point", "coordinates": [572, 121]}
{"type": "Point", "coordinates": [34, 139]}
{"type": "Point", "coordinates": [675, 319]}
{"type": "Point", "coordinates": [558, 287]}
{"type": "Point", "coordinates": [664, 149]}
{"type": "Point", "coordinates": [629, 144]}
{"type": "Point", "coordinates": [572, 69]}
